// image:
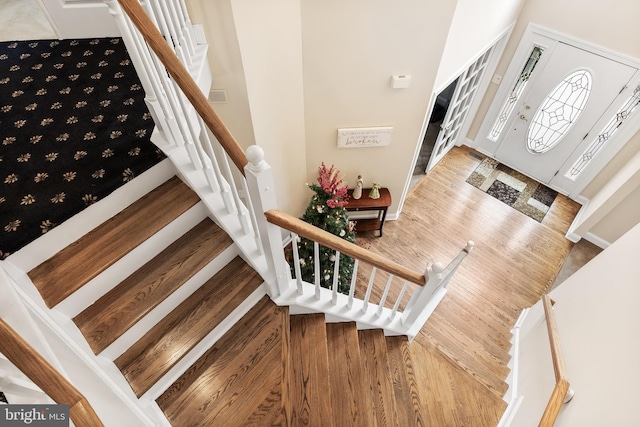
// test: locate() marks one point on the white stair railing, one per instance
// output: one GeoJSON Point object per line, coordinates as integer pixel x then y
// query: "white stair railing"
{"type": "Point", "coordinates": [179, 125]}
{"type": "Point", "coordinates": [35, 324]}
{"type": "Point", "coordinates": [200, 134]}
{"type": "Point", "coordinates": [426, 291]}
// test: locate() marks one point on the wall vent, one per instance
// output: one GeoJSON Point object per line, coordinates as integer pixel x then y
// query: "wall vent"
{"type": "Point", "coordinates": [218, 96]}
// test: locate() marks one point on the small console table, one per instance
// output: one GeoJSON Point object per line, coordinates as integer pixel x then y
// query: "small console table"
{"type": "Point", "coordinates": [365, 203]}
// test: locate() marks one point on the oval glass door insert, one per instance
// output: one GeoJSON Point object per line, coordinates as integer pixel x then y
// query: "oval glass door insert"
{"type": "Point", "coordinates": [558, 112]}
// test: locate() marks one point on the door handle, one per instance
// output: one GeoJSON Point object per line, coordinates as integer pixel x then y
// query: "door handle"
{"type": "Point", "coordinates": [523, 117]}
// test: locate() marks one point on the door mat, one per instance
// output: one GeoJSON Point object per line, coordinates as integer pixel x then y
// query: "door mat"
{"type": "Point", "coordinates": [513, 188]}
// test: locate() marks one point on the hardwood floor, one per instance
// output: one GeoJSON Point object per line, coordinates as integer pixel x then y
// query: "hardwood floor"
{"type": "Point", "coordinates": [465, 343]}
{"type": "Point", "coordinates": [270, 369]}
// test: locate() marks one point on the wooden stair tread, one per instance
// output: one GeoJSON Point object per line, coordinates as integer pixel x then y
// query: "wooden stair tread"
{"type": "Point", "coordinates": [351, 403]}
{"type": "Point", "coordinates": [72, 267]}
{"type": "Point", "coordinates": [444, 333]}
{"type": "Point", "coordinates": [405, 387]}
{"type": "Point", "coordinates": [309, 375]}
{"type": "Point", "coordinates": [452, 307]}
{"type": "Point", "coordinates": [173, 337]}
{"type": "Point", "coordinates": [450, 396]}
{"type": "Point", "coordinates": [115, 312]}
{"type": "Point", "coordinates": [375, 365]}
{"type": "Point", "coordinates": [238, 379]}
{"type": "Point", "coordinates": [491, 375]}
{"type": "Point", "coordinates": [467, 331]}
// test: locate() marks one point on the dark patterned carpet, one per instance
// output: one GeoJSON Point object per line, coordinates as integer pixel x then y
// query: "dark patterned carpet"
{"type": "Point", "coordinates": [73, 128]}
{"type": "Point", "coordinates": [513, 188]}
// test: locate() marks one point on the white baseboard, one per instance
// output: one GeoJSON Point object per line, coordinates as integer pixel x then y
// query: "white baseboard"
{"type": "Point", "coordinates": [596, 240]}
{"type": "Point", "coordinates": [510, 412]}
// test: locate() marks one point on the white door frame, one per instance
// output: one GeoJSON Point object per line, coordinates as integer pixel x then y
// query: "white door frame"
{"type": "Point", "coordinates": [499, 44]}
{"type": "Point", "coordinates": [536, 35]}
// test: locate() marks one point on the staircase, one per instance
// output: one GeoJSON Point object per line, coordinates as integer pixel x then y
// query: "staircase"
{"type": "Point", "coordinates": [153, 288]}
{"type": "Point", "coordinates": [188, 324]}
{"type": "Point", "coordinates": [341, 376]}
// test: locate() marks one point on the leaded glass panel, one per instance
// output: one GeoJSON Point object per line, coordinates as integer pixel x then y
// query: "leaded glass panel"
{"type": "Point", "coordinates": [515, 93]}
{"type": "Point", "coordinates": [601, 140]}
{"type": "Point", "coordinates": [558, 112]}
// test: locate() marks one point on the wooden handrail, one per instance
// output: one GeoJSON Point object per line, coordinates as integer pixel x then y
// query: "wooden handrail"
{"type": "Point", "coordinates": [562, 383]}
{"type": "Point", "coordinates": [559, 367]}
{"type": "Point", "coordinates": [45, 376]}
{"type": "Point", "coordinates": [329, 240]}
{"type": "Point", "coordinates": [181, 76]}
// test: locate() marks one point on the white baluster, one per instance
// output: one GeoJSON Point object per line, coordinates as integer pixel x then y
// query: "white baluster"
{"type": "Point", "coordinates": [316, 268]}
{"type": "Point", "coordinates": [252, 215]}
{"type": "Point", "coordinates": [166, 90]}
{"type": "Point", "coordinates": [178, 24]}
{"type": "Point", "coordinates": [296, 261]}
{"type": "Point", "coordinates": [352, 288]}
{"type": "Point", "coordinates": [164, 18]}
{"type": "Point", "coordinates": [336, 271]}
{"type": "Point", "coordinates": [392, 315]}
{"type": "Point", "coordinates": [384, 296]}
{"type": "Point", "coordinates": [365, 304]}
{"type": "Point", "coordinates": [237, 203]}
{"type": "Point", "coordinates": [187, 26]}
{"type": "Point", "coordinates": [136, 50]}
{"type": "Point", "coordinates": [208, 148]}
{"type": "Point", "coordinates": [219, 153]}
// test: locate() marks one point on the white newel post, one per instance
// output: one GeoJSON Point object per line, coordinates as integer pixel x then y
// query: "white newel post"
{"type": "Point", "coordinates": [425, 300]}
{"type": "Point", "coordinates": [420, 299]}
{"type": "Point", "coordinates": [262, 193]}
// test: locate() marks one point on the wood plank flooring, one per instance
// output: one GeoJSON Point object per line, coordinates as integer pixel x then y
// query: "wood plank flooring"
{"type": "Point", "coordinates": [465, 344]}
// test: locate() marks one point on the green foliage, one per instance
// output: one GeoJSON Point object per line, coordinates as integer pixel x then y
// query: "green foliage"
{"type": "Point", "coordinates": [326, 211]}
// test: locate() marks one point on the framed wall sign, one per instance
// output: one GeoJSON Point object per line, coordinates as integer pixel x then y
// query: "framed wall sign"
{"type": "Point", "coordinates": [364, 137]}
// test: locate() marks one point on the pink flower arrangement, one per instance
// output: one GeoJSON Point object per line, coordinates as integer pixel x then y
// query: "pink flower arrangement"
{"type": "Point", "coordinates": [331, 184]}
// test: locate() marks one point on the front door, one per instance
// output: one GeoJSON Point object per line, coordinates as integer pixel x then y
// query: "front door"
{"type": "Point", "coordinates": [561, 106]}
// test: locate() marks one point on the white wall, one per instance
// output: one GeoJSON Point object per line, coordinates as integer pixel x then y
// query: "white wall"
{"type": "Point", "coordinates": [350, 51]}
{"type": "Point", "coordinates": [216, 18]}
{"type": "Point", "coordinates": [255, 56]}
{"type": "Point", "coordinates": [598, 320]}
{"type": "Point", "coordinates": [269, 37]}
{"type": "Point", "coordinates": [476, 25]}
{"type": "Point", "coordinates": [627, 214]}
